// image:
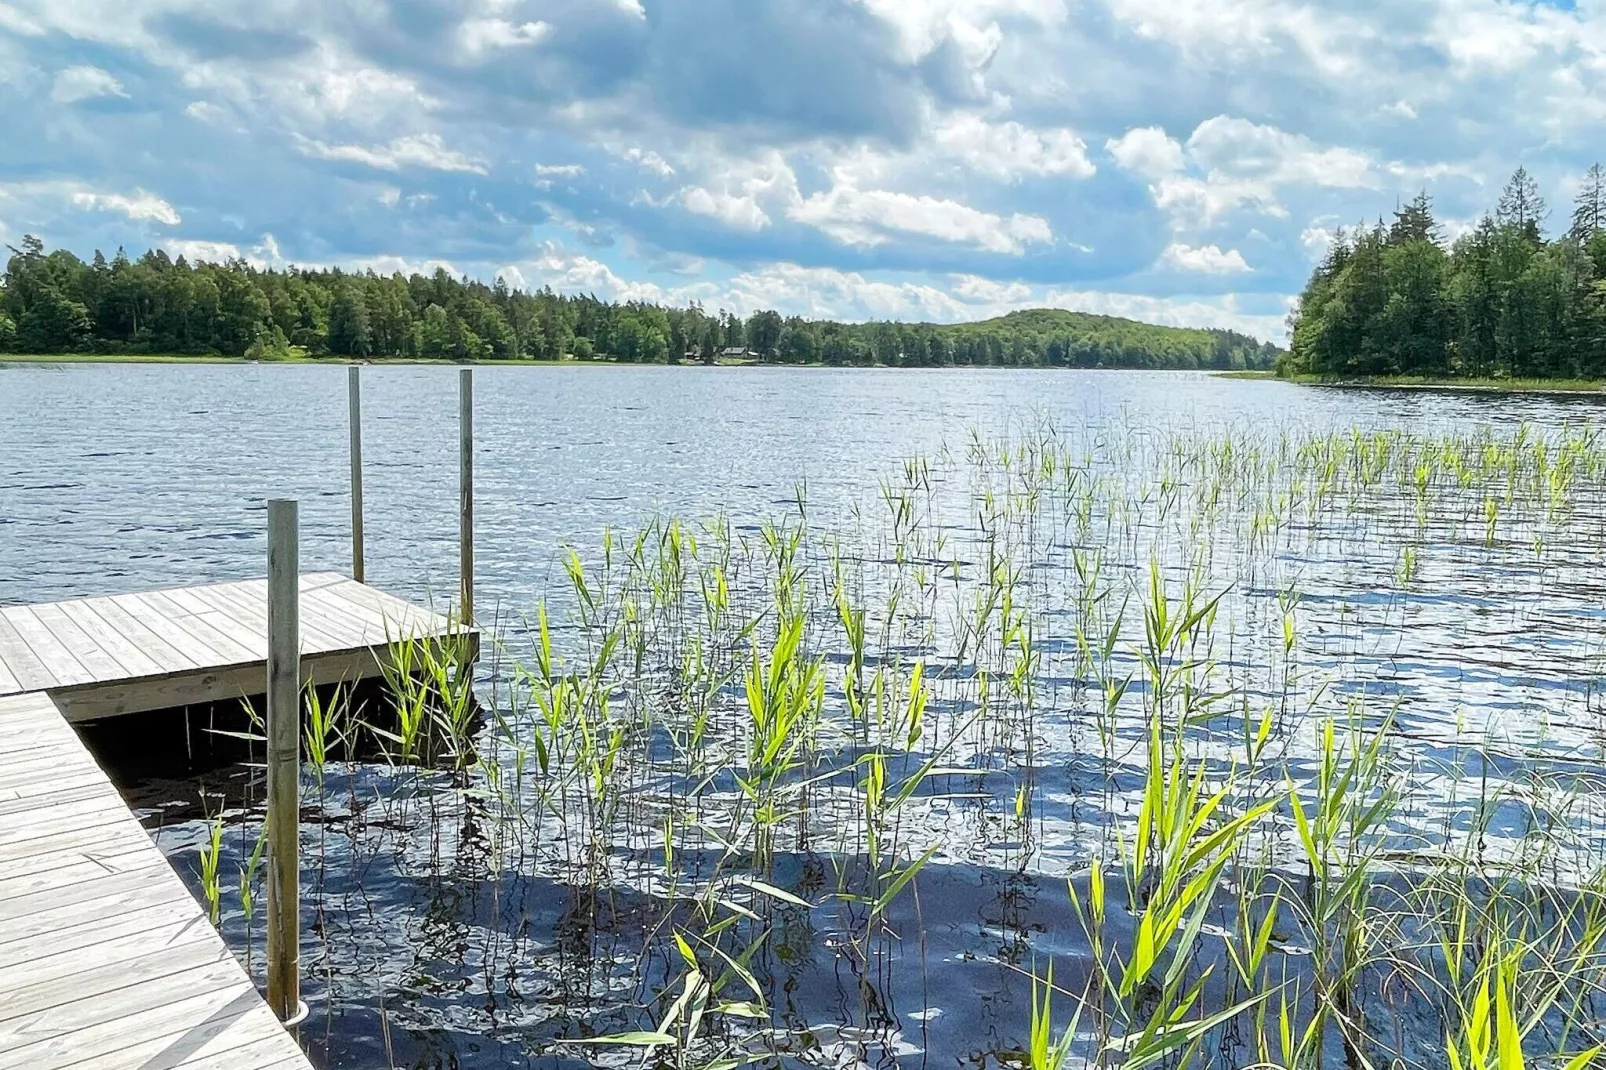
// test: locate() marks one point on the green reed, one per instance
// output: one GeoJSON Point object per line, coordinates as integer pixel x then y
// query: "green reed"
{"type": "Point", "coordinates": [748, 735]}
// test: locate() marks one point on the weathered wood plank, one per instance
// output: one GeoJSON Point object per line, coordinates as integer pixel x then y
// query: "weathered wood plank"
{"type": "Point", "coordinates": [133, 658]}
{"type": "Point", "coordinates": [106, 959]}
{"type": "Point", "coordinates": [57, 659]}
{"type": "Point", "coordinates": [222, 650]}
{"type": "Point", "coordinates": [159, 646]}
{"type": "Point", "coordinates": [96, 661]}
{"type": "Point", "coordinates": [23, 664]}
{"type": "Point", "coordinates": [162, 625]}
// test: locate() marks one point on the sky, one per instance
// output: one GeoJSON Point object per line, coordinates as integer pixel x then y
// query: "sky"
{"type": "Point", "coordinates": [1178, 161]}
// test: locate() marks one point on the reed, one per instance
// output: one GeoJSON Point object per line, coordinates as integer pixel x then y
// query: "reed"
{"type": "Point", "coordinates": [1184, 689]}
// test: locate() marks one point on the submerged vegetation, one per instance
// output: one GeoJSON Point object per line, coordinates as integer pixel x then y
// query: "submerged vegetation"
{"type": "Point", "coordinates": [54, 303]}
{"type": "Point", "coordinates": [1128, 749]}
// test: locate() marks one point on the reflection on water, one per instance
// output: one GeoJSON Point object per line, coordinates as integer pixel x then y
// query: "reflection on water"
{"type": "Point", "coordinates": [1443, 583]}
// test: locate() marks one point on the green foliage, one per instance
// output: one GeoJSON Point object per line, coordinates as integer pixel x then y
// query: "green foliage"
{"type": "Point", "coordinates": [1499, 303]}
{"type": "Point", "coordinates": [56, 303]}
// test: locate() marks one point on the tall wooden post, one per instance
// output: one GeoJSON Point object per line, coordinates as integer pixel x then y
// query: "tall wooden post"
{"type": "Point", "coordinates": [354, 393]}
{"type": "Point", "coordinates": [284, 760]}
{"type": "Point", "coordinates": [466, 489]}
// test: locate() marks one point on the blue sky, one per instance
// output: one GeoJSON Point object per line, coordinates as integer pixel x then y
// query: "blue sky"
{"type": "Point", "coordinates": [1181, 161]}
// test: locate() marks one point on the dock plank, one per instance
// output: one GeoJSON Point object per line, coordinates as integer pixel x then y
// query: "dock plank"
{"type": "Point", "coordinates": [65, 632]}
{"type": "Point", "coordinates": [58, 661]}
{"type": "Point", "coordinates": [20, 660]}
{"type": "Point", "coordinates": [106, 959]}
{"type": "Point", "coordinates": [137, 658]}
{"type": "Point", "coordinates": [107, 962]}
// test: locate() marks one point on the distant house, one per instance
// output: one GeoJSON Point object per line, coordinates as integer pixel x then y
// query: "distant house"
{"type": "Point", "coordinates": [736, 353]}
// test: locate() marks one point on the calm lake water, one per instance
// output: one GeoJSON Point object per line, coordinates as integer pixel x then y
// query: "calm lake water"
{"type": "Point", "coordinates": [437, 937]}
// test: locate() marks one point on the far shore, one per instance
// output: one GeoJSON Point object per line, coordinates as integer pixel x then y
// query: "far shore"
{"type": "Point", "coordinates": [568, 362]}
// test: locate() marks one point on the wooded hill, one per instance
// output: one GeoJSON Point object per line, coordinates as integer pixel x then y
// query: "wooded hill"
{"type": "Point", "coordinates": [55, 302]}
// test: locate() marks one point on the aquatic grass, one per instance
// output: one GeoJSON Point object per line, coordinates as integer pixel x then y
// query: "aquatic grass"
{"type": "Point", "coordinates": [1175, 687]}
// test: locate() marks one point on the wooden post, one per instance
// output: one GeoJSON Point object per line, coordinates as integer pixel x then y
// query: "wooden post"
{"type": "Point", "coordinates": [466, 488]}
{"type": "Point", "coordinates": [284, 761]}
{"type": "Point", "coordinates": [354, 393]}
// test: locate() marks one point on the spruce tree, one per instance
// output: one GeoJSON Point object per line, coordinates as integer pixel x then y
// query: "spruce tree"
{"type": "Point", "coordinates": [1589, 211]}
{"type": "Point", "coordinates": [1521, 205]}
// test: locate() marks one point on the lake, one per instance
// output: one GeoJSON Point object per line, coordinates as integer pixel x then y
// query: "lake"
{"type": "Point", "coordinates": [1020, 597]}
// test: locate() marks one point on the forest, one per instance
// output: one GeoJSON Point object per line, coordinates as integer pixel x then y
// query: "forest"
{"type": "Point", "coordinates": [1500, 301]}
{"type": "Point", "coordinates": [54, 302]}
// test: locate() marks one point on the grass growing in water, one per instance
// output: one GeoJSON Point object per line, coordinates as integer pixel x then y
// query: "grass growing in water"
{"type": "Point", "coordinates": [1175, 703]}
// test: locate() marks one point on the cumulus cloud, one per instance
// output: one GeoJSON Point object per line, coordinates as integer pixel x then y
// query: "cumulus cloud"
{"type": "Point", "coordinates": [942, 157]}
{"type": "Point", "coordinates": [741, 190]}
{"type": "Point", "coordinates": [413, 150]}
{"type": "Point", "coordinates": [475, 37]}
{"type": "Point", "coordinates": [195, 250]}
{"type": "Point", "coordinates": [1206, 259]}
{"type": "Point", "coordinates": [1229, 163]}
{"type": "Point", "coordinates": [870, 217]}
{"type": "Point", "coordinates": [1148, 151]}
{"type": "Point", "coordinates": [1009, 150]}
{"type": "Point", "coordinates": [137, 205]}
{"type": "Point", "coordinates": [84, 83]}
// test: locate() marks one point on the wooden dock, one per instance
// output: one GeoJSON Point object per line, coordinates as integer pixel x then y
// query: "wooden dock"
{"type": "Point", "coordinates": [99, 657]}
{"type": "Point", "coordinates": [107, 962]}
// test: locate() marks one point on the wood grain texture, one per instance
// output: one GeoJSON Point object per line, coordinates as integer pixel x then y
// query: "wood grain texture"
{"type": "Point", "coordinates": [152, 650]}
{"type": "Point", "coordinates": [106, 960]}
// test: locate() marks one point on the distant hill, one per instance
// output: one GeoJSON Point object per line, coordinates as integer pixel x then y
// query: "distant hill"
{"type": "Point", "coordinates": [54, 302]}
{"type": "Point", "coordinates": [1053, 336]}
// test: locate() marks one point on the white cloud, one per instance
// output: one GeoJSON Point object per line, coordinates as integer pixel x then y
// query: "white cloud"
{"type": "Point", "coordinates": [389, 264]}
{"type": "Point", "coordinates": [1200, 202]}
{"type": "Point", "coordinates": [1238, 147]}
{"type": "Point", "coordinates": [1223, 313]}
{"type": "Point", "coordinates": [205, 111]}
{"type": "Point", "coordinates": [1009, 150]}
{"type": "Point", "coordinates": [1147, 151]}
{"type": "Point", "coordinates": [137, 205]}
{"type": "Point", "coordinates": [264, 254]}
{"type": "Point", "coordinates": [649, 160]}
{"type": "Point", "coordinates": [870, 217]}
{"type": "Point", "coordinates": [740, 212]}
{"type": "Point", "coordinates": [328, 86]}
{"type": "Point", "coordinates": [478, 36]}
{"type": "Point", "coordinates": [1317, 238]}
{"type": "Point", "coordinates": [1241, 32]}
{"type": "Point", "coordinates": [1207, 259]}
{"type": "Point", "coordinates": [742, 190]}
{"type": "Point", "coordinates": [1235, 164]}
{"type": "Point", "coordinates": [412, 150]}
{"type": "Point", "coordinates": [990, 291]}
{"type": "Point", "coordinates": [195, 250]}
{"type": "Point", "coordinates": [565, 170]}
{"type": "Point", "coordinates": [84, 83]}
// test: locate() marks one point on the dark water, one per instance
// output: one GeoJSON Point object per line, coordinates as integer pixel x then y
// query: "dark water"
{"type": "Point", "coordinates": [437, 939]}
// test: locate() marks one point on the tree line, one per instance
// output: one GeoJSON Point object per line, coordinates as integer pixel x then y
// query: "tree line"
{"type": "Point", "coordinates": [55, 302]}
{"type": "Point", "coordinates": [1500, 301]}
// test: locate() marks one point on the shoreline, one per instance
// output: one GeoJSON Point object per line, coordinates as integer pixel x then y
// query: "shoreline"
{"type": "Point", "coordinates": [37, 359]}
{"type": "Point", "coordinates": [1569, 387]}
